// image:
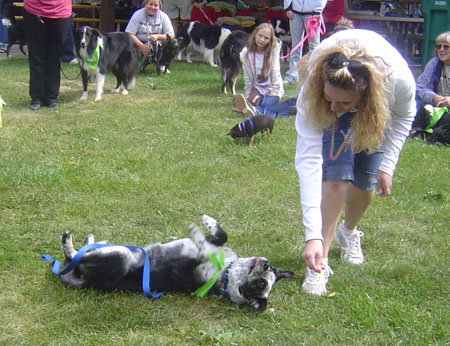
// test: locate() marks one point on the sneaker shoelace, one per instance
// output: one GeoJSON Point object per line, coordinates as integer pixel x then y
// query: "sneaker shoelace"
{"type": "Point", "coordinates": [355, 243]}
{"type": "Point", "coordinates": [327, 272]}
{"type": "Point", "coordinates": [312, 276]}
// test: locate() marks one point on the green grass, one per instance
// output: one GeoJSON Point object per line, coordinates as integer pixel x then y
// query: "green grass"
{"type": "Point", "coordinates": [140, 168]}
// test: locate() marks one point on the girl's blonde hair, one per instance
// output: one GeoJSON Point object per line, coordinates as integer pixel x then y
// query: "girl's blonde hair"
{"type": "Point", "coordinates": [349, 67]}
{"type": "Point", "coordinates": [268, 51]}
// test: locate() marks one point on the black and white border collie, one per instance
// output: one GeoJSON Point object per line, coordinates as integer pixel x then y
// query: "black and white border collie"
{"type": "Point", "coordinates": [203, 38]}
{"type": "Point", "coordinates": [182, 265]}
{"type": "Point", "coordinates": [117, 54]}
{"type": "Point", "coordinates": [230, 59]}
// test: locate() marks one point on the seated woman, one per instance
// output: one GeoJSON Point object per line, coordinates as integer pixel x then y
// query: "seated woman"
{"type": "Point", "coordinates": [261, 66]}
{"type": "Point", "coordinates": [149, 24]}
{"type": "Point", "coordinates": [433, 85]}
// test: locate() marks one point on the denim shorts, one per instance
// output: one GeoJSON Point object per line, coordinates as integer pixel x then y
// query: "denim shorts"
{"type": "Point", "coordinates": [361, 169]}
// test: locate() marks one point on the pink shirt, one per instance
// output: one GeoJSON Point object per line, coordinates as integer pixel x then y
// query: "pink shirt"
{"type": "Point", "coordinates": [49, 8]}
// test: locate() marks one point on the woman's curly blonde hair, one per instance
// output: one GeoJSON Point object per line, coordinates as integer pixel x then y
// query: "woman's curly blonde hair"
{"type": "Point", "coordinates": [372, 115]}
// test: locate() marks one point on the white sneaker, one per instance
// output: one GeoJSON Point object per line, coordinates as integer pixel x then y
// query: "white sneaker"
{"type": "Point", "coordinates": [241, 103]}
{"type": "Point", "coordinates": [316, 283]}
{"type": "Point", "coordinates": [350, 245]}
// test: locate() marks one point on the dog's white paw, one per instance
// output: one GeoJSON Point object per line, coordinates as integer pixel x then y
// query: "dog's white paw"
{"type": "Point", "coordinates": [66, 242]}
{"type": "Point", "coordinates": [115, 91]}
{"type": "Point", "coordinates": [83, 96]}
{"type": "Point", "coordinates": [209, 223]}
{"type": "Point", "coordinates": [89, 239]}
{"type": "Point", "coordinates": [124, 92]}
{"type": "Point", "coordinates": [97, 98]}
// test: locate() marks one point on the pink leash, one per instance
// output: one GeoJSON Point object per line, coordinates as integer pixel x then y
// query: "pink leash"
{"type": "Point", "coordinates": [311, 27]}
{"type": "Point", "coordinates": [205, 15]}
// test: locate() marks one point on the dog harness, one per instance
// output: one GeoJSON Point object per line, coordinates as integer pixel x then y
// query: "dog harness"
{"type": "Point", "coordinates": [242, 126]}
{"type": "Point", "coordinates": [81, 252]}
{"type": "Point", "coordinates": [219, 263]}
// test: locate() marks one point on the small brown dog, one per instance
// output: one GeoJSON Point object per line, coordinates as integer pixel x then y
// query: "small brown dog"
{"type": "Point", "coordinates": [251, 126]}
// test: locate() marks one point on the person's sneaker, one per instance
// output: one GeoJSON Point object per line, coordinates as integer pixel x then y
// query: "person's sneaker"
{"type": "Point", "coordinates": [287, 81]}
{"type": "Point", "coordinates": [240, 102]}
{"type": "Point", "coordinates": [350, 245]}
{"type": "Point", "coordinates": [35, 105]}
{"type": "Point", "coordinates": [52, 103]}
{"type": "Point", "coordinates": [316, 283]}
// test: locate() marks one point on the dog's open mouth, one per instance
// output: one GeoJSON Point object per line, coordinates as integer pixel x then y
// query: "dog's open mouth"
{"type": "Point", "coordinates": [259, 262]}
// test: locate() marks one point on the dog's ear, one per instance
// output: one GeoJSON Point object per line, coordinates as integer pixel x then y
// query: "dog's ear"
{"type": "Point", "coordinates": [258, 305]}
{"type": "Point", "coordinates": [282, 274]}
{"type": "Point", "coordinates": [96, 32]}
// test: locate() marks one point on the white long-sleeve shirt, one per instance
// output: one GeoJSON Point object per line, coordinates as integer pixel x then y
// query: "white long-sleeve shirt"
{"type": "Point", "coordinates": [402, 107]}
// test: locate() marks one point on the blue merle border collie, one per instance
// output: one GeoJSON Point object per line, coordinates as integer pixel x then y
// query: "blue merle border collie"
{"type": "Point", "coordinates": [202, 38]}
{"type": "Point", "coordinates": [99, 54]}
{"type": "Point", "coordinates": [181, 265]}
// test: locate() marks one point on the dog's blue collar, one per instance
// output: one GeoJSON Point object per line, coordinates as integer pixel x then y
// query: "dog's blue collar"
{"type": "Point", "coordinates": [223, 286]}
{"type": "Point", "coordinates": [242, 126]}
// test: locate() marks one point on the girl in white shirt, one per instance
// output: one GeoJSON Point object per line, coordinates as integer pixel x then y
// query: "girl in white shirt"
{"type": "Point", "coordinates": [149, 24]}
{"type": "Point", "coordinates": [354, 112]}
{"type": "Point", "coordinates": [261, 67]}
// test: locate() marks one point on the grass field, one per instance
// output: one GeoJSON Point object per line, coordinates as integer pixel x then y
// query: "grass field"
{"type": "Point", "coordinates": [140, 168]}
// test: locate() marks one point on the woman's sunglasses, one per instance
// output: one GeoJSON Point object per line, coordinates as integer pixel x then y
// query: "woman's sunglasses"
{"type": "Point", "coordinates": [443, 46]}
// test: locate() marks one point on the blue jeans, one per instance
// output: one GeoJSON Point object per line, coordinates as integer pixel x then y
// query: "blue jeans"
{"type": "Point", "coordinates": [270, 106]}
{"type": "Point", "coordinates": [361, 168]}
{"type": "Point", "coordinates": [297, 27]}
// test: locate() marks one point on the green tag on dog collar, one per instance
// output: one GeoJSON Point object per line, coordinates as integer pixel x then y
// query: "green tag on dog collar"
{"type": "Point", "coordinates": [92, 61]}
{"type": "Point", "coordinates": [219, 264]}
{"type": "Point", "coordinates": [436, 114]}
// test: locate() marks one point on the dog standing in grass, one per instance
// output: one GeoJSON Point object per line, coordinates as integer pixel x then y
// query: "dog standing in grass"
{"type": "Point", "coordinates": [251, 126]}
{"type": "Point", "coordinates": [230, 60]}
{"type": "Point", "coordinates": [203, 38]}
{"type": "Point", "coordinates": [99, 54]}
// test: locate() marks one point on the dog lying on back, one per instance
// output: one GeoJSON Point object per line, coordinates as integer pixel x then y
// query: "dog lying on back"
{"type": "Point", "coordinates": [182, 265]}
{"type": "Point", "coordinates": [230, 60]}
{"type": "Point", "coordinates": [162, 53]}
{"type": "Point", "coordinates": [251, 126]}
{"type": "Point", "coordinates": [99, 54]}
{"type": "Point", "coordinates": [203, 38]}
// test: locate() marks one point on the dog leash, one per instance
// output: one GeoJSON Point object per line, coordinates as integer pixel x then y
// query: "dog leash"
{"type": "Point", "coordinates": [82, 251]}
{"type": "Point", "coordinates": [311, 27]}
{"type": "Point", "coordinates": [205, 15]}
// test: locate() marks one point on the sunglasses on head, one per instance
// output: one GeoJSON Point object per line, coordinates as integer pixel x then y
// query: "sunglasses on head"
{"type": "Point", "coordinates": [443, 46]}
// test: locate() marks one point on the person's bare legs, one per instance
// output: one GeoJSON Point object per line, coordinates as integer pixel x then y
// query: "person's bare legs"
{"type": "Point", "coordinates": [333, 196]}
{"type": "Point", "coordinates": [356, 203]}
